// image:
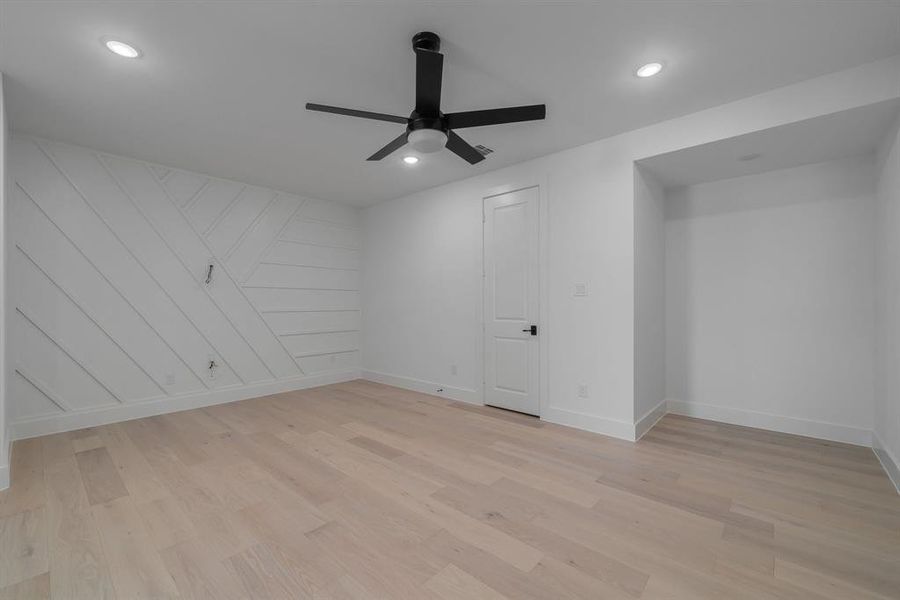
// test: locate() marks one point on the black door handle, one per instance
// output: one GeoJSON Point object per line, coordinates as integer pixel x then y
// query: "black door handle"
{"type": "Point", "coordinates": [532, 330]}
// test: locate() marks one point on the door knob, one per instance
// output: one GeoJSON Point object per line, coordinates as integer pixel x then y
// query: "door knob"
{"type": "Point", "coordinates": [532, 330]}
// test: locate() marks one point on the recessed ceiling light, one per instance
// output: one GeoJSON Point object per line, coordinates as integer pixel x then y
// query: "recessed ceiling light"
{"type": "Point", "coordinates": [121, 48]}
{"type": "Point", "coordinates": [649, 70]}
{"type": "Point", "coordinates": [410, 160]}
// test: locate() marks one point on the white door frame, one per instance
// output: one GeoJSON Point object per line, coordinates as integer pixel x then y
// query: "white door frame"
{"type": "Point", "coordinates": [539, 182]}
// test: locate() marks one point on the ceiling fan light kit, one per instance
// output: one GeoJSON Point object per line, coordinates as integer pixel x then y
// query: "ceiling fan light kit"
{"type": "Point", "coordinates": [427, 140]}
{"type": "Point", "coordinates": [427, 128]}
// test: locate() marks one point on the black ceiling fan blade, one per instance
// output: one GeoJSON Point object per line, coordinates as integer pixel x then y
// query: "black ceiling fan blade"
{"type": "Point", "coordinates": [363, 114]}
{"type": "Point", "coordinates": [496, 116]}
{"type": "Point", "coordinates": [461, 148]}
{"type": "Point", "coordinates": [429, 71]}
{"type": "Point", "coordinates": [394, 144]}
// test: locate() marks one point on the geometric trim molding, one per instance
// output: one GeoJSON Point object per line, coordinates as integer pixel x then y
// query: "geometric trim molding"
{"type": "Point", "coordinates": [138, 289]}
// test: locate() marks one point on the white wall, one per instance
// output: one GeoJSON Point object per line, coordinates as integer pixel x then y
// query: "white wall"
{"type": "Point", "coordinates": [113, 318]}
{"type": "Point", "coordinates": [412, 278]}
{"type": "Point", "coordinates": [887, 398]}
{"type": "Point", "coordinates": [422, 287]}
{"type": "Point", "coordinates": [5, 440]}
{"type": "Point", "coordinates": [422, 272]}
{"type": "Point", "coordinates": [649, 300]}
{"type": "Point", "coordinates": [770, 300]}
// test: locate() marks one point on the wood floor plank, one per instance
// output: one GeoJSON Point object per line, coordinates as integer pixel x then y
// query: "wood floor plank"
{"type": "Point", "coordinates": [23, 546]}
{"type": "Point", "coordinates": [99, 476]}
{"type": "Point", "coordinates": [136, 569]}
{"type": "Point", "coordinates": [26, 490]}
{"type": "Point", "coordinates": [166, 522]}
{"type": "Point", "coordinates": [362, 491]}
{"type": "Point", "coordinates": [382, 450]}
{"type": "Point", "coordinates": [452, 583]}
{"type": "Point", "coordinates": [383, 575]}
{"type": "Point", "coordinates": [86, 443]}
{"type": "Point", "coordinates": [514, 515]}
{"type": "Point", "coordinates": [56, 447]}
{"type": "Point", "coordinates": [264, 574]}
{"type": "Point", "coordinates": [131, 464]}
{"type": "Point", "coordinates": [36, 588]}
{"type": "Point", "coordinates": [199, 574]}
{"type": "Point", "coordinates": [77, 562]}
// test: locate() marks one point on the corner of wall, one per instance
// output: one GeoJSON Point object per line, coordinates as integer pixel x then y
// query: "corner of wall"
{"type": "Point", "coordinates": [886, 434]}
{"type": "Point", "coordinates": [5, 440]}
{"type": "Point", "coordinates": [649, 259]}
{"type": "Point", "coordinates": [623, 430]}
{"type": "Point", "coordinates": [888, 461]}
{"type": "Point", "coordinates": [650, 419]}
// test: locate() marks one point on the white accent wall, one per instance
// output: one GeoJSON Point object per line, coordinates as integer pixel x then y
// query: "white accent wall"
{"type": "Point", "coordinates": [887, 386]}
{"type": "Point", "coordinates": [113, 317]}
{"type": "Point", "coordinates": [770, 300]}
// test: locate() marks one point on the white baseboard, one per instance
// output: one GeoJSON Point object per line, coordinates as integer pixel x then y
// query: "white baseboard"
{"type": "Point", "coordinates": [888, 461]}
{"type": "Point", "coordinates": [134, 410]}
{"type": "Point", "coordinates": [780, 423]}
{"type": "Point", "coordinates": [650, 418]}
{"type": "Point", "coordinates": [5, 454]}
{"type": "Point", "coordinates": [610, 427]}
{"type": "Point", "coordinates": [426, 387]}
{"type": "Point", "coordinates": [596, 424]}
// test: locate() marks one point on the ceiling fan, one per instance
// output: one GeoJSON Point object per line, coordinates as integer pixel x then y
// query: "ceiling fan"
{"type": "Point", "coordinates": [427, 128]}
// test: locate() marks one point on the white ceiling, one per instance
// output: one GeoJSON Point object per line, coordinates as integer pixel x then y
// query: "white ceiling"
{"type": "Point", "coordinates": [222, 85]}
{"type": "Point", "coordinates": [847, 133]}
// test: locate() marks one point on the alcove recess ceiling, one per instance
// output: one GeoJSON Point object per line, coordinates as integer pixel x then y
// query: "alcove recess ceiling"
{"type": "Point", "coordinates": [114, 317]}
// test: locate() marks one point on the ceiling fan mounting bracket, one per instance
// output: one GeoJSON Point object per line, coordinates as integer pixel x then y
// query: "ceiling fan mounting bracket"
{"type": "Point", "coordinates": [425, 40]}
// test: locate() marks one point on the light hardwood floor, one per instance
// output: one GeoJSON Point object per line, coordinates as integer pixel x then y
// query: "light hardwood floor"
{"type": "Point", "coordinates": [360, 490]}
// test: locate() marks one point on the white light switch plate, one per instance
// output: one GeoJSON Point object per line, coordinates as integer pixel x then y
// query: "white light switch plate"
{"type": "Point", "coordinates": [581, 289]}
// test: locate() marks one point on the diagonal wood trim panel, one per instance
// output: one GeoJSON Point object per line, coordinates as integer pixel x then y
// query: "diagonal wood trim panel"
{"type": "Point", "coordinates": [113, 315]}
